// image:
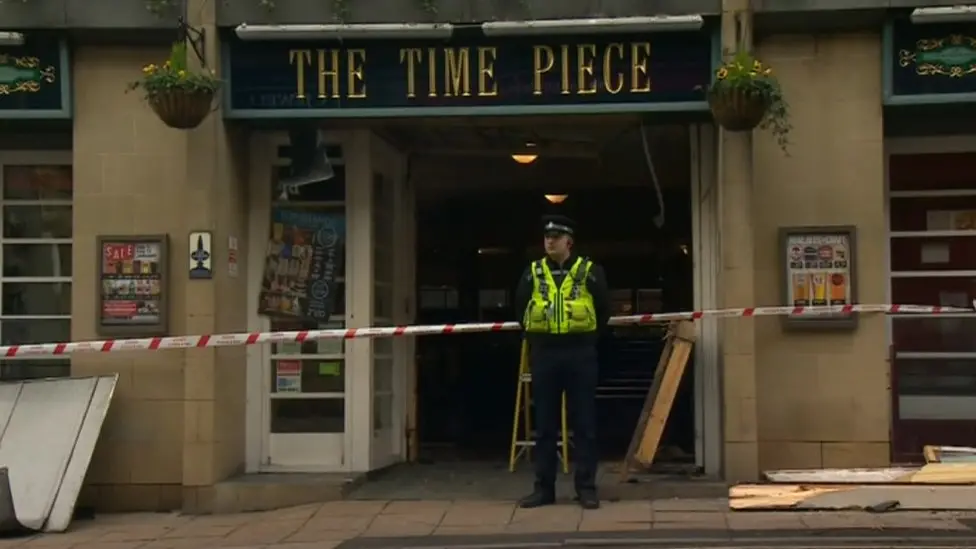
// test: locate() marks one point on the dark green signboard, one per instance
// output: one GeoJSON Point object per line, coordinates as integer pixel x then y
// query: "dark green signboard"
{"type": "Point", "coordinates": [660, 71]}
{"type": "Point", "coordinates": [930, 63]}
{"type": "Point", "coordinates": [34, 81]}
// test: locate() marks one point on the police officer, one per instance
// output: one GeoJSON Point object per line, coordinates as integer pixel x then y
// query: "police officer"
{"type": "Point", "coordinates": [563, 302]}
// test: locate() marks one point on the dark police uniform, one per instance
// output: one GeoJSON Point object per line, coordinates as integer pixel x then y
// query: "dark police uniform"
{"type": "Point", "coordinates": [563, 308]}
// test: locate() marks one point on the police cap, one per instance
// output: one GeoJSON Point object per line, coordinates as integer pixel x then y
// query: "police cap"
{"type": "Point", "coordinates": [558, 224]}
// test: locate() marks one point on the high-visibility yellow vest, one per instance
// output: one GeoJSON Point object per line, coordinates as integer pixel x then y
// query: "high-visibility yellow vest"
{"type": "Point", "coordinates": [566, 309]}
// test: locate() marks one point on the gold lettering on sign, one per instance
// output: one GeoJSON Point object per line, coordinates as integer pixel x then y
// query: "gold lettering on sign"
{"type": "Point", "coordinates": [639, 52]}
{"type": "Point", "coordinates": [356, 59]}
{"type": "Point", "coordinates": [330, 71]}
{"type": "Point", "coordinates": [432, 72]}
{"type": "Point", "coordinates": [564, 68]}
{"type": "Point", "coordinates": [300, 58]}
{"type": "Point", "coordinates": [412, 57]}
{"type": "Point", "coordinates": [578, 65]}
{"type": "Point", "coordinates": [457, 72]}
{"type": "Point", "coordinates": [543, 59]}
{"type": "Point", "coordinates": [613, 82]}
{"type": "Point", "coordinates": [586, 84]}
{"type": "Point", "coordinates": [487, 86]}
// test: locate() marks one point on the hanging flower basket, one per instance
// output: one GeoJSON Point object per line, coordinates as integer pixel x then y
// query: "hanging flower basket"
{"type": "Point", "coordinates": [181, 98]}
{"type": "Point", "coordinates": [182, 109]}
{"type": "Point", "coordinates": [745, 95]}
{"type": "Point", "coordinates": [736, 109]}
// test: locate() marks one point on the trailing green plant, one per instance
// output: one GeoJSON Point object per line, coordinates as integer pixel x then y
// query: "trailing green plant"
{"type": "Point", "coordinates": [744, 73]}
{"type": "Point", "coordinates": [174, 74]}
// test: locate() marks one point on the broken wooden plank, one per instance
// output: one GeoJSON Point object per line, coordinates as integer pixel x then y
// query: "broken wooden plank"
{"type": "Point", "coordinates": [840, 476]}
{"type": "Point", "coordinates": [650, 435]}
{"type": "Point", "coordinates": [773, 497]}
{"type": "Point", "coordinates": [944, 473]}
{"type": "Point", "coordinates": [932, 473]}
{"type": "Point", "coordinates": [949, 454]}
{"type": "Point", "coordinates": [628, 464]}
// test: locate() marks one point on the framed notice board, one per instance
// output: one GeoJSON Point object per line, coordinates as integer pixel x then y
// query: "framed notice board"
{"type": "Point", "coordinates": [818, 271]}
{"type": "Point", "coordinates": [132, 285]}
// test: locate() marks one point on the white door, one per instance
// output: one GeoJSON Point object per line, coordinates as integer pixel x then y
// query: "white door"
{"type": "Point", "coordinates": [303, 385]}
{"type": "Point", "coordinates": [305, 408]}
{"type": "Point", "coordinates": [390, 303]}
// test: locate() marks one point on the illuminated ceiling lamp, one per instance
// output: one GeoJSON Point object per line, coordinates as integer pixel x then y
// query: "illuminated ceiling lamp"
{"type": "Point", "coordinates": [557, 198]}
{"type": "Point", "coordinates": [527, 155]}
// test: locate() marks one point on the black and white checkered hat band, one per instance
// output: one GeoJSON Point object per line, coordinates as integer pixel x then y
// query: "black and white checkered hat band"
{"type": "Point", "coordinates": [556, 227]}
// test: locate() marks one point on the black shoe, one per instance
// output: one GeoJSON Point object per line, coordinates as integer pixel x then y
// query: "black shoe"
{"type": "Point", "coordinates": [588, 500]}
{"type": "Point", "coordinates": [537, 499]}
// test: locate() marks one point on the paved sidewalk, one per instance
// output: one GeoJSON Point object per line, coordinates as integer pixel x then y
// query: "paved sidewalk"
{"type": "Point", "coordinates": [324, 526]}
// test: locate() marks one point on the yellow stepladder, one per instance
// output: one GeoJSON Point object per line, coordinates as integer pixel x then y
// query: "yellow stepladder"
{"type": "Point", "coordinates": [523, 408]}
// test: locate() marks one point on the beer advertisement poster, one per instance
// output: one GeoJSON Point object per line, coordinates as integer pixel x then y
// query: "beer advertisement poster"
{"type": "Point", "coordinates": [305, 256]}
{"type": "Point", "coordinates": [818, 269]}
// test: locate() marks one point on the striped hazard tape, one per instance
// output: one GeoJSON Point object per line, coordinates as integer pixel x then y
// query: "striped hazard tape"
{"type": "Point", "coordinates": [256, 338]}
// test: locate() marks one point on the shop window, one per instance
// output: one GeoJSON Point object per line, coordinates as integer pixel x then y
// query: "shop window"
{"type": "Point", "coordinates": [35, 254]}
{"type": "Point", "coordinates": [932, 250]}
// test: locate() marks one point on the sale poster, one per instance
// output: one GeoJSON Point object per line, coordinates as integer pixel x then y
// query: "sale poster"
{"type": "Point", "coordinates": [131, 283]}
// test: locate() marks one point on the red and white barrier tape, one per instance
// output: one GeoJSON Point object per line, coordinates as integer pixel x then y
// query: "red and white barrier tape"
{"type": "Point", "coordinates": [255, 338]}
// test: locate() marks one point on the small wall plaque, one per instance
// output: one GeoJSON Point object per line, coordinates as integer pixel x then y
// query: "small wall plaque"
{"type": "Point", "coordinates": [201, 255]}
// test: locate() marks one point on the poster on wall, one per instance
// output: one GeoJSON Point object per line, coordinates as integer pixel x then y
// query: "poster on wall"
{"type": "Point", "coordinates": [132, 285]}
{"type": "Point", "coordinates": [818, 271]}
{"type": "Point", "coordinates": [305, 256]}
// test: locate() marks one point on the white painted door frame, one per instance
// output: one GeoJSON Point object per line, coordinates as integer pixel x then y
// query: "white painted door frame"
{"type": "Point", "coordinates": [705, 250]}
{"type": "Point", "coordinates": [327, 453]}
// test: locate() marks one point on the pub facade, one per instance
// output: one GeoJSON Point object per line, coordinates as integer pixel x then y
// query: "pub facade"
{"type": "Point", "coordinates": [878, 171]}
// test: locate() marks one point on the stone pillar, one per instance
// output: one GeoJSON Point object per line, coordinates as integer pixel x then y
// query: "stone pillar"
{"type": "Point", "coordinates": [128, 179]}
{"type": "Point", "coordinates": [215, 380]}
{"type": "Point", "coordinates": [736, 282]}
{"type": "Point", "coordinates": [176, 424]}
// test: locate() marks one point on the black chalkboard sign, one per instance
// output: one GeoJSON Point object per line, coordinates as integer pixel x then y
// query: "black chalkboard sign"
{"type": "Point", "coordinates": [305, 255]}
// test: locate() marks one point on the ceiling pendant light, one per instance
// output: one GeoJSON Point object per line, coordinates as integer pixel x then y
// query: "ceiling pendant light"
{"type": "Point", "coordinates": [557, 198]}
{"type": "Point", "coordinates": [527, 155]}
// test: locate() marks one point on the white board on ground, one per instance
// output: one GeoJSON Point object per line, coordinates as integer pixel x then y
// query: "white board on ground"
{"type": "Point", "coordinates": [74, 476]}
{"type": "Point", "coordinates": [42, 442]}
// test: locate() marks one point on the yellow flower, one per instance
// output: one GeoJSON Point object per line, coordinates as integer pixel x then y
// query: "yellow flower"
{"type": "Point", "coordinates": [757, 66]}
{"type": "Point", "coordinates": [768, 72]}
{"type": "Point", "coordinates": [722, 73]}
{"type": "Point", "coordinates": [167, 64]}
{"type": "Point", "coordinates": [753, 74]}
{"type": "Point", "coordinates": [181, 74]}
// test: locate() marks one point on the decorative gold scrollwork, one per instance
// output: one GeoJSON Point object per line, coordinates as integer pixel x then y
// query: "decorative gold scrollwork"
{"type": "Point", "coordinates": [37, 74]}
{"type": "Point", "coordinates": [930, 57]}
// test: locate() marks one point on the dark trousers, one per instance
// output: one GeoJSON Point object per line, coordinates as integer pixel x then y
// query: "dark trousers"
{"type": "Point", "coordinates": [572, 369]}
